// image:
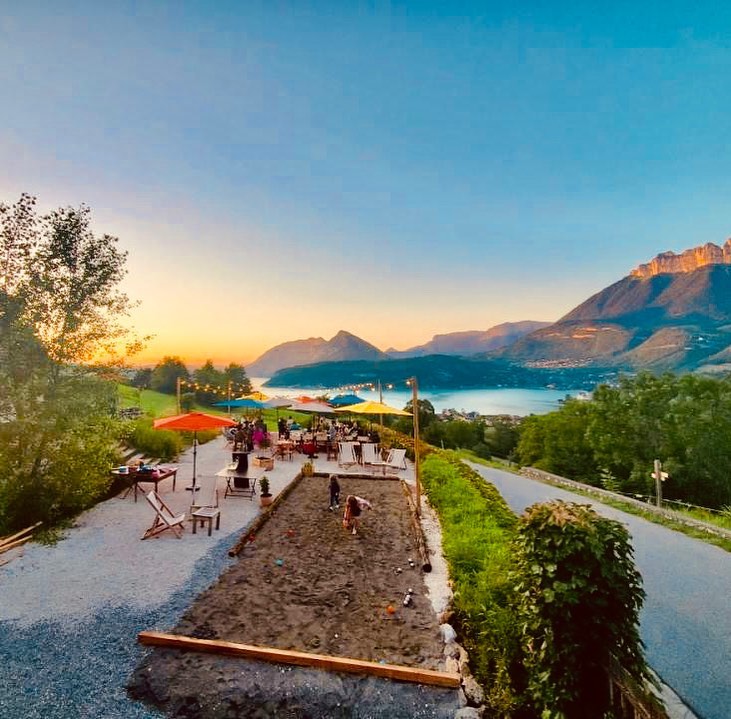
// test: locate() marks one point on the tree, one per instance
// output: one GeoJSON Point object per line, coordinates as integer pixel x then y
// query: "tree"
{"type": "Point", "coordinates": [209, 384]}
{"type": "Point", "coordinates": [142, 378]}
{"type": "Point", "coordinates": [557, 442]}
{"type": "Point", "coordinates": [60, 315]}
{"type": "Point", "coordinates": [235, 374]}
{"type": "Point", "coordinates": [165, 375]}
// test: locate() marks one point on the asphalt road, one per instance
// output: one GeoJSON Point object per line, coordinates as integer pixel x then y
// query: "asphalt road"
{"type": "Point", "coordinates": [686, 618]}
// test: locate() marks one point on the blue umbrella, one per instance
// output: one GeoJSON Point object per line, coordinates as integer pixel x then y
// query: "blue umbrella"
{"type": "Point", "coordinates": [342, 400]}
{"type": "Point", "coordinates": [240, 403]}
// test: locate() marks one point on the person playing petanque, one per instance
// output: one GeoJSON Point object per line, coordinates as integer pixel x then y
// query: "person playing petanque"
{"type": "Point", "coordinates": [354, 507]}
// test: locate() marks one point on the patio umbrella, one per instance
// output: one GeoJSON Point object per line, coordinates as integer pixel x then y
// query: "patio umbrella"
{"type": "Point", "coordinates": [369, 407]}
{"type": "Point", "coordinates": [192, 422]}
{"type": "Point", "coordinates": [344, 399]}
{"type": "Point", "coordinates": [313, 407]}
{"type": "Point", "coordinates": [278, 402]}
{"type": "Point", "coordinates": [243, 403]}
{"type": "Point", "coordinates": [258, 396]}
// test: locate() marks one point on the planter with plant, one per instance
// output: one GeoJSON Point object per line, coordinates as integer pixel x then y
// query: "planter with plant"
{"type": "Point", "coordinates": [265, 496]}
{"type": "Point", "coordinates": [308, 469]}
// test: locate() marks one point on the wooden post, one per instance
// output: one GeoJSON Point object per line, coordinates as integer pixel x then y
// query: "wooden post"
{"type": "Point", "coordinates": [658, 483]}
{"type": "Point", "coordinates": [415, 409]}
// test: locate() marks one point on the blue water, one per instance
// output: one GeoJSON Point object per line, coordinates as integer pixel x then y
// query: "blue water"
{"type": "Point", "coordinates": [520, 402]}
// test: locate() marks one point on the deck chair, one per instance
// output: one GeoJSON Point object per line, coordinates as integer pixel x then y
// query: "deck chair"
{"type": "Point", "coordinates": [396, 459]}
{"type": "Point", "coordinates": [164, 518]}
{"type": "Point", "coordinates": [346, 455]}
{"type": "Point", "coordinates": [370, 453]}
{"type": "Point", "coordinates": [207, 495]}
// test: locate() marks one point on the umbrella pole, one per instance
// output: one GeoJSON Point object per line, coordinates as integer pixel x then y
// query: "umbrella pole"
{"type": "Point", "coordinates": [193, 487]}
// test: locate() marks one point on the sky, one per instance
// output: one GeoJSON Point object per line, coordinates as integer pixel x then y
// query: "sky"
{"type": "Point", "coordinates": [283, 170]}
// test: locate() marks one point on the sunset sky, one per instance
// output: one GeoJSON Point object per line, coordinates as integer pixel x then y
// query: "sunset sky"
{"type": "Point", "coordinates": [282, 170]}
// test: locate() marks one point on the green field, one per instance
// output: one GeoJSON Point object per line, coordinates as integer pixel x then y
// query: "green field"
{"type": "Point", "coordinates": [156, 404]}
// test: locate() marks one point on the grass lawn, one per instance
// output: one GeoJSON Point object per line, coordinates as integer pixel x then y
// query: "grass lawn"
{"type": "Point", "coordinates": [156, 404]}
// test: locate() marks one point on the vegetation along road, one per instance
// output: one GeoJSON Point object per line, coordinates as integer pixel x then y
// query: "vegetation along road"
{"type": "Point", "coordinates": [686, 619]}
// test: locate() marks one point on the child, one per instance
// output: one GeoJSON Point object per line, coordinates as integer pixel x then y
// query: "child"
{"type": "Point", "coordinates": [353, 508]}
{"type": "Point", "coordinates": [334, 493]}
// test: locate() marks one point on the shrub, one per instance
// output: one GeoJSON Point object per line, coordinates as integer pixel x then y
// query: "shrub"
{"type": "Point", "coordinates": [162, 443]}
{"type": "Point", "coordinates": [578, 600]}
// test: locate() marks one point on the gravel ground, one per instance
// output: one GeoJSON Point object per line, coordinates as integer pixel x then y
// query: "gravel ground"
{"type": "Point", "coordinates": [70, 614]}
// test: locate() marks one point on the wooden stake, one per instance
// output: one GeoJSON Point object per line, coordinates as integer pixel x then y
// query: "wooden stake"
{"type": "Point", "coordinates": [304, 659]}
{"type": "Point", "coordinates": [12, 545]}
{"type": "Point", "coordinates": [6, 540]}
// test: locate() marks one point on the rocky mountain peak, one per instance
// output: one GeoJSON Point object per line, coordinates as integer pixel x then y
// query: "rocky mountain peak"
{"type": "Point", "coordinates": [687, 261]}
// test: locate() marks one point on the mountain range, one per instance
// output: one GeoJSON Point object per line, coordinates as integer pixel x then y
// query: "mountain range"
{"type": "Point", "coordinates": [671, 313]}
{"type": "Point", "coordinates": [345, 346]}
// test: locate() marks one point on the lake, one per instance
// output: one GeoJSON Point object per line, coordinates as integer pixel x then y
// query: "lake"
{"type": "Point", "coordinates": [520, 402]}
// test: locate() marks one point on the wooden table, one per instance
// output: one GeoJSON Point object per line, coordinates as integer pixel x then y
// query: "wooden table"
{"type": "Point", "coordinates": [141, 477]}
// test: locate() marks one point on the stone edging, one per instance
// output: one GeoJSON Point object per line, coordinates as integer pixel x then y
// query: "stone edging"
{"type": "Point", "coordinates": [554, 479]}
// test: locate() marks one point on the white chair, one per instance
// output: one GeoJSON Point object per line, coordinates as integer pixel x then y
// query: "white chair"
{"type": "Point", "coordinates": [396, 459]}
{"type": "Point", "coordinates": [207, 495]}
{"type": "Point", "coordinates": [369, 453]}
{"type": "Point", "coordinates": [164, 518]}
{"type": "Point", "coordinates": [346, 455]}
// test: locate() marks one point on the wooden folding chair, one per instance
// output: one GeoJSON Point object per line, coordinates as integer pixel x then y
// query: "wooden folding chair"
{"type": "Point", "coordinates": [164, 518]}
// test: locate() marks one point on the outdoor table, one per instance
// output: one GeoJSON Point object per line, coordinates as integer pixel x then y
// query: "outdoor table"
{"type": "Point", "coordinates": [155, 478]}
{"type": "Point", "coordinates": [248, 482]}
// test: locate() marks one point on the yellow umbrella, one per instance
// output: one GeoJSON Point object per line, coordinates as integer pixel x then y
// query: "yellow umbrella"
{"type": "Point", "coordinates": [258, 396]}
{"type": "Point", "coordinates": [369, 407]}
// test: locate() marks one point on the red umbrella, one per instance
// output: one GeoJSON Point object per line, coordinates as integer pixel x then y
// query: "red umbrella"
{"type": "Point", "coordinates": [192, 422]}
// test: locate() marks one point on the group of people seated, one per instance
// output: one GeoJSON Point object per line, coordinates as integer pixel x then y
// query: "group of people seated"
{"type": "Point", "coordinates": [248, 435]}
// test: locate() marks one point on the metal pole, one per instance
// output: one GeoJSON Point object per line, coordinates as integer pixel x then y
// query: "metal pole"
{"type": "Point", "coordinates": [415, 410]}
{"type": "Point", "coordinates": [177, 391]}
{"type": "Point", "coordinates": [228, 398]}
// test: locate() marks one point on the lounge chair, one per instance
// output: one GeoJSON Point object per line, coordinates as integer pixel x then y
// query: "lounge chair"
{"type": "Point", "coordinates": [346, 456]}
{"type": "Point", "coordinates": [164, 518]}
{"type": "Point", "coordinates": [370, 454]}
{"type": "Point", "coordinates": [396, 459]}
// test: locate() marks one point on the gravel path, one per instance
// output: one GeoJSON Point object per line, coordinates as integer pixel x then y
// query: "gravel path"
{"type": "Point", "coordinates": [686, 618]}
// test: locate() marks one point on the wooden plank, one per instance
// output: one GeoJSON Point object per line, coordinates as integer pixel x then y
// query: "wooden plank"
{"type": "Point", "coordinates": [12, 545]}
{"type": "Point", "coordinates": [7, 540]}
{"type": "Point", "coordinates": [305, 659]}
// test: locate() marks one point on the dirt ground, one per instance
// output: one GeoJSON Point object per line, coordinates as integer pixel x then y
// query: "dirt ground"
{"type": "Point", "coordinates": [305, 583]}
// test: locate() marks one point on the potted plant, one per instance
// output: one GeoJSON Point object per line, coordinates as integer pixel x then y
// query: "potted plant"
{"type": "Point", "coordinates": [308, 469]}
{"type": "Point", "coordinates": [265, 496]}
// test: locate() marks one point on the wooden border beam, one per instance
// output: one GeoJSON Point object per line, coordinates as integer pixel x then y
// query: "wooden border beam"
{"type": "Point", "coordinates": [304, 659]}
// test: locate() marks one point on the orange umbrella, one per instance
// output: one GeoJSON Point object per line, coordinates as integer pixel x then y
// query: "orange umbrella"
{"type": "Point", "coordinates": [192, 422]}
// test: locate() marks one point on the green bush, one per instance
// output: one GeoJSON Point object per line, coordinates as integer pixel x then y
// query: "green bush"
{"type": "Point", "coordinates": [161, 443]}
{"type": "Point", "coordinates": [578, 600]}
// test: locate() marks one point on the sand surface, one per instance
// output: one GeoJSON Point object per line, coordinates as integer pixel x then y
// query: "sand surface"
{"type": "Point", "coordinates": [305, 583]}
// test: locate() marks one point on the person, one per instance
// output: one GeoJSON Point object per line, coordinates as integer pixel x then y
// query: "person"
{"type": "Point", "coordinates": [354, 507]}
{"type": "Point", "coordinates": [334, 493]}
